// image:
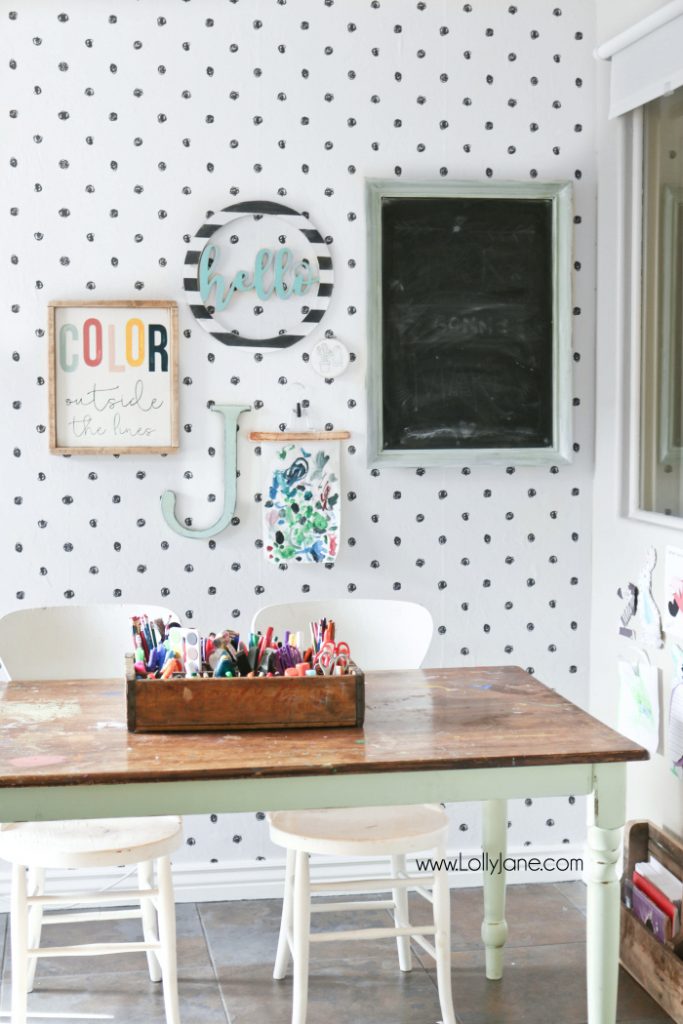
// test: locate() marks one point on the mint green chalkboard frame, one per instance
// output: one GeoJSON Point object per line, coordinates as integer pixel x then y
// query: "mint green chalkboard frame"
{"type": "Point", "coordinates": [559, 451]}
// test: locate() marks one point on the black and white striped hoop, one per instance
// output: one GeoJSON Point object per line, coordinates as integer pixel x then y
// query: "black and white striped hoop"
{"type": "Point", "coordinates": [316, 301]}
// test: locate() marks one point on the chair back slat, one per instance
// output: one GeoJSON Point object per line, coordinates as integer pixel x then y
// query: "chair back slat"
{"type": "Point", "coordinates": [382, 634]}
{"type": "Point", "coordinates": [70, 641]}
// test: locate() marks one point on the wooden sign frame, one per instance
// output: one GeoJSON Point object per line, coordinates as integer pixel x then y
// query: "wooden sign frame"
{"type": "Point", "coordinates": [111, 348]}
{"type": "Point", "coordinates": [384, 355]}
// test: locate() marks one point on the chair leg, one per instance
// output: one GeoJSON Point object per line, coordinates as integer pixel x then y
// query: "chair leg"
{"type": "Point", "coordinates": [149, 917]}
{"type": "Point", "coordinates": [167, 938]}
{"type": "Point", "coordinates": [302, 929]}
{"type": "Point", "coordinates": [19, 942]}
{"type": "Point", "coordinates": [401, 914]}
{"type": "Point", "coordinates": [442, 940]}
{"type": "Point", "coordinates": [36, 887]}
{"type": "Point", "coordinates": [282, 955]}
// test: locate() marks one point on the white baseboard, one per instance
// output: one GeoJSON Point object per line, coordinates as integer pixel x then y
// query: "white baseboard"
{"type": "Point", "coordinates": [247, 880]}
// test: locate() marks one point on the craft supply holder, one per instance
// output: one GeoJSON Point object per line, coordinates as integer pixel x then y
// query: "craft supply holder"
{"type": "Point", "coordinates": [277, 702]}
{"type": "Point", "coordinates": [656, 966]}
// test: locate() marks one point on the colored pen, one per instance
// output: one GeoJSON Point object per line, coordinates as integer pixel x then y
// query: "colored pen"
{"type": "Point", "coordinates": [266, 642]}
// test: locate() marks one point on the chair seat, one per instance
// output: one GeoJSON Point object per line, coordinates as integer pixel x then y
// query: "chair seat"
{"type": "Point", "coordinates": [97, 842]}
{"type": "Point", "coordinates": [360, 831]}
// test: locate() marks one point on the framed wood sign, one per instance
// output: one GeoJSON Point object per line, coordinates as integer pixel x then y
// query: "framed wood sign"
{"type": "Point", "coordinates": [470, 323]}
{"type": "Point", "coordinates": [113, 375]}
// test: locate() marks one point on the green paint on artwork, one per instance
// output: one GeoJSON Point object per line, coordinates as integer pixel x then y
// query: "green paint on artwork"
{"type": "Point", "coordinates": [301, 512]}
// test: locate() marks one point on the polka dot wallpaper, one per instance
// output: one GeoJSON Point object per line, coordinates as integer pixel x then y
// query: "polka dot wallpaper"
{"type": "Point", "coordinates": [126, 124]}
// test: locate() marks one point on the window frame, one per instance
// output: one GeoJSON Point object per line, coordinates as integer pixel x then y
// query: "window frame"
{"type": "Point", "coordinates": [632, 169]}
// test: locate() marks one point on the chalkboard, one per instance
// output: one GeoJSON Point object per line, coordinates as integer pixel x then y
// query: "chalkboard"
{"type": "Point", "coordinates": [470, 322]}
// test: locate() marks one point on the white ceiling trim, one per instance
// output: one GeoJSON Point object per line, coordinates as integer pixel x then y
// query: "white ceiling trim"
{"type": "Point", "coordinates": [646, 59]}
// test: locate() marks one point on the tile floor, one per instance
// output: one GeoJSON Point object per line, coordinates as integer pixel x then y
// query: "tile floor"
{"type": "Point", "coordinates": [225, 954]}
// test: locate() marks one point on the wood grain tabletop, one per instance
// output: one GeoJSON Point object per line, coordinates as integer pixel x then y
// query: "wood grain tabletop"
{"type": "Point", "coordinates": [74, 732]}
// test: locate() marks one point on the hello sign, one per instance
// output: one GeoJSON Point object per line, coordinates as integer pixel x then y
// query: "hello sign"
{"type": "Point", "coordinates": [266, 284]}
{"type": "Point", "coordinates": [275, 272]}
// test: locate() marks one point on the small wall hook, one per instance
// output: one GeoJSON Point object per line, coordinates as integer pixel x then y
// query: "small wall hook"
{"type": "Point", "coordinates": [300, 407]}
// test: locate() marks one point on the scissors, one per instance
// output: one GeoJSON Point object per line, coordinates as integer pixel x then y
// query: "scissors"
{"type": "Point", "coordinates": [332, 657]}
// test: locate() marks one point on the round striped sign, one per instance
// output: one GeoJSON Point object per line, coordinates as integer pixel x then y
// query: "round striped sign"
{"type": "Point", "coordinates": [315, 301]}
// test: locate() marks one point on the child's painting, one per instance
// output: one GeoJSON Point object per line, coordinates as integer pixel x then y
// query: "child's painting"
{"type": "Point", "coordinates": [675, 732]}
{"type": "Point", "coordinates": [301, 506]}
{"type": "Point", "coordinates": [673, 590]}
{"type": "Point", "coordinates": [639, 703]}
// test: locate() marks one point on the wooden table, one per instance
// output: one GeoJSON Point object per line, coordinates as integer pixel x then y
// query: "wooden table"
{"type": "Point", "coordinates": [486, 734]}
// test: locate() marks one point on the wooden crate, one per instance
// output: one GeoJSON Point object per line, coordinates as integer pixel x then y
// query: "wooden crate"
{"type": "Point", "coordinates": [280, 702]}
{"type": "Point", "coordinates": [657, 966]}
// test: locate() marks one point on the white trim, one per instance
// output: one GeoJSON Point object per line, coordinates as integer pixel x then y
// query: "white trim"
{"type": "Point", "coordinates": [623, 353]}
{"type": "Point", "coordinates": [656, 519]}
{"type": "Point", "coordinates": [629, 189]}
{"type": "Point", "coordinates": [630, 279]}
{"type": "Point", "coordinates": [631, 285]}
{"type": "Point", "coordinates": [247, 880]}
{"type": "Point", "coordinates": [638, 31]}
{"type": "Point", "coordinates": [645, 60]}
{"type": "Point", "coordinates": [671, 213]}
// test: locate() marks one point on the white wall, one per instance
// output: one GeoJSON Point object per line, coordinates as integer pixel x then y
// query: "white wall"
{"type": "Point", "coordinates": [464, 544]}
{"type": "Point", "coordinates": [619, 543]}
{"type": "Point", "coordinates": [613, 18]}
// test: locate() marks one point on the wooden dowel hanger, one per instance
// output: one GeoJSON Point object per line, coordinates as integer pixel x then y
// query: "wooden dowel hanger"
{"type": "Point", "coordinates": [299, 435]}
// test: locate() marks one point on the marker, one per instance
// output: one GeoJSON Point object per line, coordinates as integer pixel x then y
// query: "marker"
{"type": "Point", "coordinates": [266, 641]}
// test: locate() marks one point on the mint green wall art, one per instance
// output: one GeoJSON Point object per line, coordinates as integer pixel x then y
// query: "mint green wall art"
{"type": "Point", "coordinates": [230, 414]}
{"type": "Point", "coordinates": [275, 272]}
{"type": "Point", "coordinates": [301, 513]}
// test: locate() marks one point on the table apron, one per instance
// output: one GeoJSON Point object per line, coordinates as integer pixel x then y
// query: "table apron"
{"type": "Point", "coordinates": [204, 796]}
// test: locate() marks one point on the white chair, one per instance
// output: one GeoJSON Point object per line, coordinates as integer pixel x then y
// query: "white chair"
{"type": "Point", "coordinates": [371, 628]}
{"type": "Point", "coordinates": [363, 832]}
{"type": "Point", "coordinates": [85, 643]}
{"type": "Point", "coordinates": [71, 641]}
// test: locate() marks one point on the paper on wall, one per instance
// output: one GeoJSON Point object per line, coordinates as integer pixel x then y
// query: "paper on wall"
{"type": "Point", "coordinates": [629, 595]}
{"type": "Point", "coordinates": [673, 591]}
{"type": "Point", "coordinates": [649, 619]}
{"type": "Point", "coordinates": [675, 736]}
{"type": "Point", "coordinates": [639, 703]}
{"type": "Point", "coordinates": [301, 513]}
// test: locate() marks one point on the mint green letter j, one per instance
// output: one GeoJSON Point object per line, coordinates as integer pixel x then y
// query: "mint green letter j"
{"type": "Point", "coordinates": [230, 414]}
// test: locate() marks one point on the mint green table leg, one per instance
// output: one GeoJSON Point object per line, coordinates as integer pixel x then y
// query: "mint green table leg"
{"type": "Point", "coordinates": [494, 928]}
{"type": "Point", "coordinates": [607, 812]}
